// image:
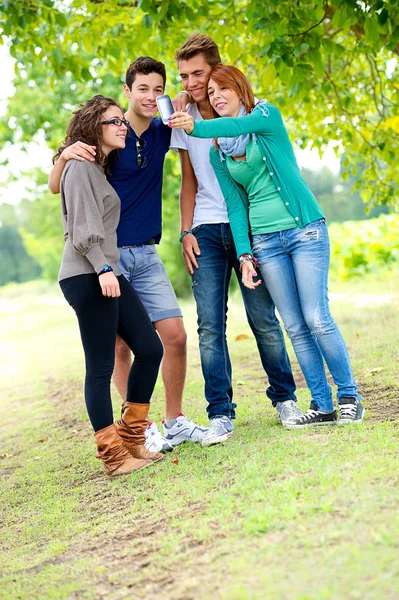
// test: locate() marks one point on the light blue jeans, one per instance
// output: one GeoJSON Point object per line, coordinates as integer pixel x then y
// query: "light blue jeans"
{"type": "Point", "coordinates": [146, 273]}
{"type": "Point", "coordinates": [210, 284]}
{"type": "Point", "coordinates": [294, 266]}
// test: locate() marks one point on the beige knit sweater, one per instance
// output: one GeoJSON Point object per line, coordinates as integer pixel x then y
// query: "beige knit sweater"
{"type": "Point", "coordinates": [90, 215]}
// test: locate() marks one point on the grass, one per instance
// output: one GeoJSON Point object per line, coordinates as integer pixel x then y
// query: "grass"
{"type": "Point", "coordinates": [272, 514]}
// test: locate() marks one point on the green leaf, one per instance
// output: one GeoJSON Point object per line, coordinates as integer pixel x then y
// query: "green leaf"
{"type": "Point", "coordinates": [269, 75]}
{"type": "Point", "coordinates": [60, 19]}
{"type": "Point", "coordinates": [147, 21]}
{"type": "Point", "coordinates": [288, 60]}
{"type": "Point", "coordinates": [261, 24]}
{"type": "Point", "coordinates": [301, 50]}
{"type": "Point", "coordinates": [85, 74]}
{"type": "Point", "coordinates": [295, 89]}
{"type": "Point", "coordinates": [383, 17]}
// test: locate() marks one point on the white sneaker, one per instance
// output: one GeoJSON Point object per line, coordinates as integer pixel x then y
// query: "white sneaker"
{"type": "Point", "coordinates": [220, 430]}
{"type": "Point", "coordinates": [154, 440]}
{"type": "Point", "coordinates": [288, 411]}
{"type": "Point", "coordinates": [183, 430]}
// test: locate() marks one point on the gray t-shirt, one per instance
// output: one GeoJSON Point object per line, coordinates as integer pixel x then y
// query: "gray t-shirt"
{"type": "Point", "coordinates": [90, 215]}
{"type": "Point", "coordinates": [210, 206]}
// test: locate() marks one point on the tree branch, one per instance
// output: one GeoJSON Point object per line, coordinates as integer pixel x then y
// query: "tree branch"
{"type": "Point", "coordinates": [303, 33]}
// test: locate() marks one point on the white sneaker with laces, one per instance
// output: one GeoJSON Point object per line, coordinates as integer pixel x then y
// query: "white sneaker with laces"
{"type": "Point", "coordinates": [220, 430]}
{"type": "Point", "coordinates": [288, 411]}
{"type": "Point", "coordinates": [154, 440]}
{"type": "Point", "coordinates": [183, 430]}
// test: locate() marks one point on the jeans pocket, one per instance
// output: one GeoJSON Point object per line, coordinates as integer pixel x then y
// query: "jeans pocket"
{"type": "Point", "coordinates": [195, 230]}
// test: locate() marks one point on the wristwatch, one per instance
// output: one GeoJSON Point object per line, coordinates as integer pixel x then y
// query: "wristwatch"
{"type": "Point", "coordinates": [106, 269]}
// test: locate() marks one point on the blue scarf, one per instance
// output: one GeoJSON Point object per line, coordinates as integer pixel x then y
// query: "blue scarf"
{"type": "Point", "coordinates": [235, 146]}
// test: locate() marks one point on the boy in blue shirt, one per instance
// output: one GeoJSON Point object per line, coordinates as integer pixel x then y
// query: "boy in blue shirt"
{"type": "Point", "coordinates": [136, 176]}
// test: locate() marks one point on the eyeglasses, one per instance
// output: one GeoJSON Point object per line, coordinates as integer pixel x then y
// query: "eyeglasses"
{"type": "Point", "coordinates": [141, 159]}
{"type": "Point", "coordinates": [116, 121]}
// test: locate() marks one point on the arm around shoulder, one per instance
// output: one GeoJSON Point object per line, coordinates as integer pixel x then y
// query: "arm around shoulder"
{"type": "Point", "coordinates": [54, 180]}
{"type": "Point", "coordinates": [78, 151]}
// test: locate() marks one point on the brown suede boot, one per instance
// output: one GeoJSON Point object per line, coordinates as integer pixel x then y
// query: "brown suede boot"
{"type": "Point", "coordinates": [116, 459]}
{"type": "Point", "coordinates": [131, 427]}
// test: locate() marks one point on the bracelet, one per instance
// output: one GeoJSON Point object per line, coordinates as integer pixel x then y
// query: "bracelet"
{"type": "Point", "coordinates": [244, 258]}
{"type": "Point", "coordinates": [183, 234]}
{"type": "Point", "coordinates": [106, 269]}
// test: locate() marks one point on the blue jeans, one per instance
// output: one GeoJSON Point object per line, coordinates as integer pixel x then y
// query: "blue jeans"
{"type": "Point", "coordinates": [210, 283]}
{"type": "Point", "coordinates": [294, 266]}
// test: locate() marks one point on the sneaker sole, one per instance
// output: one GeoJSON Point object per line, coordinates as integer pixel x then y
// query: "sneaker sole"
{"type": "Point", "coordinates": [178, 442]}
{"type": "Point", "coordinates": [162, 450]}
{"type": "Point", "coordinates": [217, 440]}
{"type": "Point", "coordinates": [325, 424]}
{"type": "Point", "coordinates": [286, 423]}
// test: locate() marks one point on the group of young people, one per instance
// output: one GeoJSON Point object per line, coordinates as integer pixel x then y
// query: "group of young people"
{"type": "Point", "coordinates": [244, 207]}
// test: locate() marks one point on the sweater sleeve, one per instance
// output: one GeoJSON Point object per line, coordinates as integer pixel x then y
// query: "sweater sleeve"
{"type": "Point", "coordinates": [265, 119]}
{"type": "Point", "coordinates": [84, 203]}
{"type": "Point", "coordinates": [237, 212]}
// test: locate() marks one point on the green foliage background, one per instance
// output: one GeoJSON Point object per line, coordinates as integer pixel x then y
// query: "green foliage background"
{"type": "Point", "coordinates": [330, 65]}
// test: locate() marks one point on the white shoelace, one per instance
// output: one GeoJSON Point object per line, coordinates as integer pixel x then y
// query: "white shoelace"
{"type": "Point", "coordinates": [309, 415]}
{"type": "Point", "coordinates": [348, 411]}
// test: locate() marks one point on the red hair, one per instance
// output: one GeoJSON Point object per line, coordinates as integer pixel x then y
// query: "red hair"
{"type": "Point", "coordinates": [233, 79]}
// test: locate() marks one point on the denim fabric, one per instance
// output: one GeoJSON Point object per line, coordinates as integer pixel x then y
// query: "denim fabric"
{"type": "Point", "coordinates": [294, 266]}
{"type": "Point", "coordinates": [145, 272]}
{"type": "Point", "coordinates": [210, 283]}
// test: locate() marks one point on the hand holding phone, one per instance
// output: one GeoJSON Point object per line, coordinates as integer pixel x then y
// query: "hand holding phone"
{"type": "Point", "coordinates": [165, 108]}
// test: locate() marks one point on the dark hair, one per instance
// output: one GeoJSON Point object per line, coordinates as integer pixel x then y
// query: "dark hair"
{"type": "Point", "coordinates": [199, 43]}
{"type": "Point", "coordinates": [85, 127]}
{"type": "Point", "coordinates": [144, 65]}
{"type": "Point", "coordinates": [233, 79]}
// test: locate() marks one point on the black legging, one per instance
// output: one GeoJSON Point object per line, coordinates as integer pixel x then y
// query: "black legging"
{"type": "Point", "coordinates": [100, 320]}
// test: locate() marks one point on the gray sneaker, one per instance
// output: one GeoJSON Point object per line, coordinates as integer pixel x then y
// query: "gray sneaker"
{"type": "Point", "coordinates": [183, 430]}
{"type": "Point", "coordinates": [288, 411]}
{"type": "Point", "coordinates": [220, 430]}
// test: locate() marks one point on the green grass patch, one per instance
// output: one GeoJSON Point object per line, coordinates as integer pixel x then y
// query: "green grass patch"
{"type": "Point", "coordinates": [273, 514]}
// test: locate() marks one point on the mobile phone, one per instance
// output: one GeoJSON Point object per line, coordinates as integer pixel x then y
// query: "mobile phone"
{"type": "Point", "coordinates": [165, 107]}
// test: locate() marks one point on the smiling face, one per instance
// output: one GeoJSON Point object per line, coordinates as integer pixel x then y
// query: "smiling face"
{"type": "Point", "coordinates": [226, 103]}
{"type": "Point", "coordinates": [194, 74]}
{"type": "Point", "coordinates": [113, 137]}
{"type": "Point", "coordinates": [143, 94]}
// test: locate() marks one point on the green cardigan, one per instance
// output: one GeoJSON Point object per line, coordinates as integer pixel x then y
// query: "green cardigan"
{"type": "Point", "coordinates": [268, 129]}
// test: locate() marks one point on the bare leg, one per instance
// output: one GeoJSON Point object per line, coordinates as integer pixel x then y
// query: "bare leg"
{"type": "Point", "coordinates": [123, 362]}
{"type": "Point", "coordinates": [173, 336]}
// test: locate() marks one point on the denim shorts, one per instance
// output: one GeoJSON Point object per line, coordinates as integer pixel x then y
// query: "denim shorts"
{"type": "Point", "coordinates": [146, 273]}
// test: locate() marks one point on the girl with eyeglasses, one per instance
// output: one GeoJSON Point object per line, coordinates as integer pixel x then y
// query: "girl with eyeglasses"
{"type": "Point", "coordinates": [104, 302]}
{"type": "Point", "coordinates": [278, 224]}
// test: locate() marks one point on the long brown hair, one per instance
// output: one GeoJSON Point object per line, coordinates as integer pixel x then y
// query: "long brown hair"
{"type": "Point", "coordinates": [233, 79]}
{"type": "Point", "coordinates": [85, 126]}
